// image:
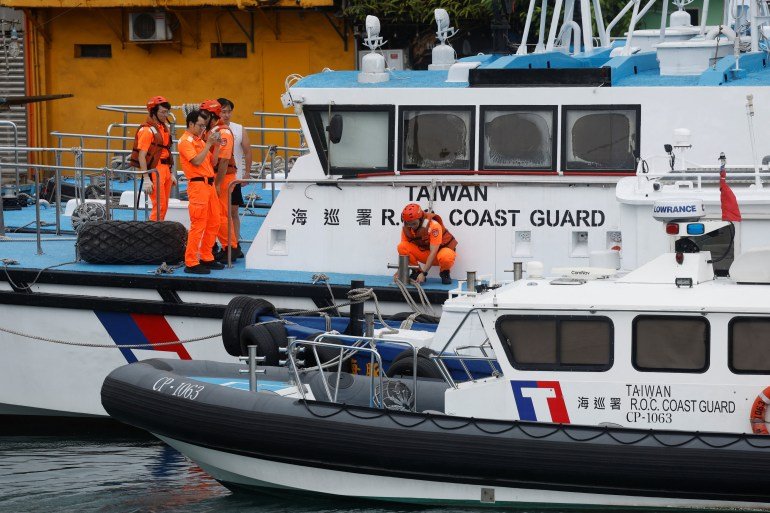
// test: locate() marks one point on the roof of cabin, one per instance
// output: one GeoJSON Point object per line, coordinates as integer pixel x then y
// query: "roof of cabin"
{"type": "Point", "coordinates": [638, 70]}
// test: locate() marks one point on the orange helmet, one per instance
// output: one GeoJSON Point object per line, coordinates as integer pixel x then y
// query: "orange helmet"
{"type": "Point", "coordinates": [155, 101]}
{"type": "Point", "coordinates": [412, 212]}
{"type": "Point", "coordinates": [212, 106]}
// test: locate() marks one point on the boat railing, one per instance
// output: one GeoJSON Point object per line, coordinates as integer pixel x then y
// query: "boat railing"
{"type": "Point", "coordinates": [284, 130]}
{"type": "Point", "coordinates": [463, 358]}
{"type": "Point", "coordinates": [80, 172]}
{"type": "Point", "coordinates": [360, 344]}
{"type": "Point", "coordinates": [15, 129]}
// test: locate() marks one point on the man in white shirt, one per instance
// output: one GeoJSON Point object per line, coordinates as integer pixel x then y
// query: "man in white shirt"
{"type": "Point", "coordinates": [242, 155]}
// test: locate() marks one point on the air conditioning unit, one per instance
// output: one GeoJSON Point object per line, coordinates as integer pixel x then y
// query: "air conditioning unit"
{"type": "Point", "coordinates": [149, 26]}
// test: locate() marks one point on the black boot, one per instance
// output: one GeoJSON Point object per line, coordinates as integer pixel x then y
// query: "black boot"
{"type": "Point", "coordinates": [445, 278]}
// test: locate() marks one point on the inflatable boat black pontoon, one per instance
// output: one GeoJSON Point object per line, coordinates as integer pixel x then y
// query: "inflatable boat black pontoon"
{"type": "Point", "coordinates": [264, 439]}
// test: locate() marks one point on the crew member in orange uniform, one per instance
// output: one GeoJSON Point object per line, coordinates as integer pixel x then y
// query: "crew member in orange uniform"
{"type": "Point", "coordinates": [196, 159]}
{"type": "Point", "coordinates": [425, 239]}
{"type": "Point", "coordinates": [152, 145]}
{"type": "Point", "coordinates": [225, 175]}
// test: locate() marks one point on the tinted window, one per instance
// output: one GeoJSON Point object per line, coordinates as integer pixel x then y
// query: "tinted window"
{"type": "Point", "coordinates": [557, 343]}
{"type": "Point", "coordinates": [750, 345]}
{"type": "Point", "coordinates": [679, 344]}
{"type": "Point", "coordinates": [436, 139]}
{"type": "Point", "coordinates": [366, 143]}
{"type": "Point", "coordinates": [520, 139]}
{"type": "Point", "coordinates": [601, 139]}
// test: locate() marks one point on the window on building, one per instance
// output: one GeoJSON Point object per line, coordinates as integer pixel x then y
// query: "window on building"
{"type": "Point", "coordinates": [93, 51]}
{"type": "Point", "coordinates": [366, 144]}
{"type": "Point", "coordinates": [749, 345]}
{"type": "Point", "coordinates": [228, 50]}
{"type": "Point", "coordinates": [600, 138]}
{"type": "Point", "coordinates": [557, 343]}
{"type": "Point", "coordinates": [518, 138]}
{"type": "Point", "coordinates": [437, 138]}
{"type": "Point", "coordinates": [671, 344]}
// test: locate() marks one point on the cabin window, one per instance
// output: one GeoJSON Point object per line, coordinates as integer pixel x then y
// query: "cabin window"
{"type": "Point", "coordinates": [557, 343]}
{"type": "Point", "coordinates": [437, 138]}
{"type": "Point", "coordinates": [366, 142]}
{"type": "Point", "coordinates": [518, 138]}
{"type": "Point", "coordinates": [749, 345]}
{"type": "Point", "coordinates": [670, 344]}
{"type": "Point", "coordinates": [600, 138]}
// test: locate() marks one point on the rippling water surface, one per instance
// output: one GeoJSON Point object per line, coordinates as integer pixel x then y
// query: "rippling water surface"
{"type": "Point", "coordinates": [131, 473]}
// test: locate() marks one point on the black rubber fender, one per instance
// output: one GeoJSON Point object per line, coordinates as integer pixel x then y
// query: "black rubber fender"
{"type": "Point", "coordinates": [132, 242]}
{"type": "Point", "coordinates": [267, 338]}
{"type": "Point", "coordinates": [422, 351]}
{"type": "Point", "coordinates": [240, 312]}
{"type": "Point", "coordinates": [426, 368]}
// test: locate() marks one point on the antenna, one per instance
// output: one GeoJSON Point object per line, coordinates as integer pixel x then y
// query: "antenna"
{"type": "Point", "coordinates": [444, 31]}
{"type": "Point", "coordinates": [443, 54]}
{"type": "Point", "coordinates": [373, 40]}
{"type": "Point", "coordinates": [373, 63]}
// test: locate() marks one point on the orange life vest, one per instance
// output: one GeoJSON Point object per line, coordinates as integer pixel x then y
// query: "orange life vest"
{"type": "Point", "coordinates": [231, 167]}
{"type": "Point", "coordinates": [421, 236]}
{"type": "Point", "coordinates": [156, 146]}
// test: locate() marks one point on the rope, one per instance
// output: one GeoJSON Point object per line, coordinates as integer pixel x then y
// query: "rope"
{"type": "Point", "coordinates": [324, 278]}
{"type": "Point", "coordinates": [37, 277]}
{"type": "Point", "coordinates": [164, 268]}
{"type": "Point", "coordinates": [425, 307]}
{"type": "Point", "coordinates": [109, 346]}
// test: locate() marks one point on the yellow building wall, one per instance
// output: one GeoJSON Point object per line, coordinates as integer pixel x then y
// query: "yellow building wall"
{"type": "Point", "coordinates": [306, 44]}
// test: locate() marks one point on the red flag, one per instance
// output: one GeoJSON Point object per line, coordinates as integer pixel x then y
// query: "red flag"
{"type": "Point", "coordinates": [730, 210]}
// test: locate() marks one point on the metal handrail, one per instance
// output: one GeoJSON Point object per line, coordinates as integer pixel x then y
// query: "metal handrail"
{"type": "Point", "coordinates": [15, 144]}
{"type": "Point", "coordinates": [372, 345]}
{"type": "Point", "coordinates": [81, 171]}
{"type": "Point", "coordinates": [374, 355]}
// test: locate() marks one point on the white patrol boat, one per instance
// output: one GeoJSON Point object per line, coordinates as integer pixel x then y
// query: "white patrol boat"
{"type": "Point", "coordinates": [645, 389]}
{"type": "Point", "coordinates": [520, 155]}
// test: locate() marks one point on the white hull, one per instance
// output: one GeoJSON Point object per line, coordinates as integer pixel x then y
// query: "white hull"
{"type": "Point", "coordinates": [251, 472]}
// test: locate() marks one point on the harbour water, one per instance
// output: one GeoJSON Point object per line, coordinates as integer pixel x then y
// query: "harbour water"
{"type": "Point", "coordinates": [127, 472]}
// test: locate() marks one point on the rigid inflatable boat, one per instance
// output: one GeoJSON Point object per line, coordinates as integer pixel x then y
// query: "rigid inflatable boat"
{"type": "Point", "coordinates": [276, 439]}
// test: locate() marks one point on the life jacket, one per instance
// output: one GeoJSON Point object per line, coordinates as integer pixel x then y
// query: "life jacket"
{"type": "Point", "coordinates": [421, 236]}
{"type": "Point", "coordinates": [156, 146]}
{"type": "Point", "coordinates": [231, 167]}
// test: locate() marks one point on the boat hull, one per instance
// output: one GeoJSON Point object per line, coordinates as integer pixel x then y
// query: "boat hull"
{"type": "Point", "coordinates": [265, 440]}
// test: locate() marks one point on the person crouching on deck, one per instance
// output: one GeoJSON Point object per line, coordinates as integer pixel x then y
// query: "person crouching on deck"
{"type": "Point", "coordinates": [152, 150]}
{"type": "Point", "coordinates": [205, 211]}
{"type": "Point", "coordinates": [425, 239]}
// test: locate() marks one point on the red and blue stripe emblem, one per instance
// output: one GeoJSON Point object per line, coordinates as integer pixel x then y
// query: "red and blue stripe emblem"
{"type": "Point", "coordinates": [127, 329]}
{"type": "Point", "coordinates": [536, 399]}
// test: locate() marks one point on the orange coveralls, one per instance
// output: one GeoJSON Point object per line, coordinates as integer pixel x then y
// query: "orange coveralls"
{"type": "Point", "coordinates": [204, 206]}
{"type": "Point", "coordinates": [420, 252]}
{"type": "Point", "coordinates": [144, 138]}
{"type": "Point", "coordinates": [226, 146]}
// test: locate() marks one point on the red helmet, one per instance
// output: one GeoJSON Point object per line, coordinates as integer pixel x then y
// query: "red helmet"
{"type": "Point", "coordinates": [155, 101]}
{"type": "Point", "coordinates": [412, 212]}
{"type": "Point", "coordinates": [212, 106]}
